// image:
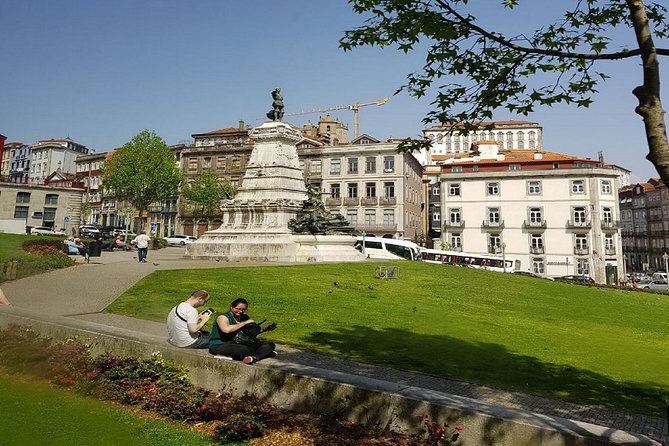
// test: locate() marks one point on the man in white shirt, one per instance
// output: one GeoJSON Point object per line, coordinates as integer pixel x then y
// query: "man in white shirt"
{"type": "Point", "coordinates": [184, 324]}
{"type": "Point", "coordinates": [142, 242]}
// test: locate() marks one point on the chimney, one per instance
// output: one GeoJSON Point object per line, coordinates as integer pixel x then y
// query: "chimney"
{"type": "Point", "coordinates": [241, 124]}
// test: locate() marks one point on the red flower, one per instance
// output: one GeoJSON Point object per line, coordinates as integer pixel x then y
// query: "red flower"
{"type": "Point", "coordinates": [459, 428]}
{"type": "Point", "coordinates": [248, 426]}
{"type": "Point", "coordinates": [439, 431]}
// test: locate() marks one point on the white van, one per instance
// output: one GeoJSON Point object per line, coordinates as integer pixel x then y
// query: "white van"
{"type": "Point", "coordinates": [660, 276]}
{"type": "Point", "coordinates": [387, 248]}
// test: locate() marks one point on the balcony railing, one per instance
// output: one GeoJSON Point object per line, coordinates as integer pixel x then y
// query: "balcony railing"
{"type": "Point", "coordinates": [453, 224]}
{"type": "Point", "coordinates": [585, 225]}
{"type": "Point", "coordinates": [537, 225]}
{"type": "Point", "coordinates": [374, 228]}
{"type": "Point", "coordinates": [369, 201]}
{"type": "Point", "coordinates": [610, 251]}
{"type": "Point", "coordinates": [351, 201]}
{"type": "Point", "coordinates": [612, 225]}
{"type": "Point", "coordinates": [536, 250]}
{"type": "Point", "coordinates": [581, 251]}
{"type": "Point", "coordinates": [385, 201]}
{"type": "Point", "coordinates": [333, 201]}
{"type": "Point", "coordinates": [488, 224]}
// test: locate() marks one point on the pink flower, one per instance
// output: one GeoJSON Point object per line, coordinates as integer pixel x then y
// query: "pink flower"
{"type": "Point", "coordinates": [92, 375]}
{"type": "Point", "coordinates": [459, 428]}
{"type": "Point", "coordinates": [439, 431]}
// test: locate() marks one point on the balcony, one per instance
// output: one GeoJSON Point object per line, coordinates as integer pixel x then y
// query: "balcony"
{"type": "Point", "coordinates": [369, 201]}
{"type": "Point", "coordinates": [494, 249]}
{"type": "Point", "coordinates": [351, 201]}
{"type": "Point", "coordinates": [579, 225]}
{"type": "Point", "coordinates": [372, 228]}
{"type": "Point", "coordinates": [610, 225]}
{"type": "Point", "coordinates": [333, 201]}
{"type": "Point", "coordinates": [492, 225]}
{"type": "Point", "coordinates": [536, 250]}
{"type": "Point", "coordinates": [385, 201]}
{"type": "Point", "coordinates": [534, 225]}
{"type": "Point", "coordinates": [610, 251]}
{"type": "Point", "coordinates": [454, 224]}
{"type": "Point", "coordinates": [581, 251]}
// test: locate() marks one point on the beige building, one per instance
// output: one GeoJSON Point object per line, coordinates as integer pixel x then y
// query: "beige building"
{"type": "Point", "coordinates": [557, 214]}
{"type": "Point", "coordinates": [24, 205]}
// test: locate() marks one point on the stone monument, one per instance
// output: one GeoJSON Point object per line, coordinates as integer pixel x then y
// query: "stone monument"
{"type": "Point", "coordinates": [255, 224]}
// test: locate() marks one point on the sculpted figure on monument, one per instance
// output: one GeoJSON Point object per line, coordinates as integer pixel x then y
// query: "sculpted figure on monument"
{"type": "Point", "coordinates": [276, 113]}
{"type": "Point", "coordinates": [315, 219]}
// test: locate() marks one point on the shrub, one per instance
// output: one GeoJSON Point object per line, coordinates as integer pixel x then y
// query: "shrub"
{"type": "Point", "coordinates": [439, 435]}
{"type": "Point", "coordinates": [239, 427]}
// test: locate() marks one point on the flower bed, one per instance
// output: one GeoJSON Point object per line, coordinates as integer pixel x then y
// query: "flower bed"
{"type": "Point", "coordinates": [163, 388]}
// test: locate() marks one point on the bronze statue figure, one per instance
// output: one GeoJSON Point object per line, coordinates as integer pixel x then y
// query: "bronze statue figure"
{"type": "Point", "coordinates": [314, 218]}
{"type": "Point", "coordinates": [276, 113]}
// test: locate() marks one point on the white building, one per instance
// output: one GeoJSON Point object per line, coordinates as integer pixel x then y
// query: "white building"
{"type": "Point", "coordinates": [446, 141]}
{"type": "Point", "coordinates": [53, 154]}
{"type": "Point", "coordinates": [557, 214]}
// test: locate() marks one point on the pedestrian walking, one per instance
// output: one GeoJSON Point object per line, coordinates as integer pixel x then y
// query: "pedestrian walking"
{"type": "Point", "coordinates": [142, 242]}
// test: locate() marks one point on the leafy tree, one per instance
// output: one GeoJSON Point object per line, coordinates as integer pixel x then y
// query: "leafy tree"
{"type": "Point", "coordinates": [483, 70]}
{"type": "Point", "coordinates": [142, 171]}
{"type": "Point", "coordinates": [207, 191]}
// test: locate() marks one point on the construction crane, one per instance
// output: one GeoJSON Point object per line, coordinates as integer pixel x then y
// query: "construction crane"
{"type": "Point", "coordinates": [356, 111]}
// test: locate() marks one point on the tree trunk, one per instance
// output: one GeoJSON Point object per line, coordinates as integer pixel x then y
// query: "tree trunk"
{"type": "Point", "coordinates": [648, 94]}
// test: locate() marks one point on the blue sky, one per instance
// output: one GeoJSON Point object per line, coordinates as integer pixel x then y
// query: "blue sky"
{"type": "Point", "coordinates": [101, 71]}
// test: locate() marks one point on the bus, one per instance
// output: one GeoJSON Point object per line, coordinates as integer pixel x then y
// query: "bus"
{"type": "Point", "coordinates": [387, 248]}
{"type": "Point", "coordinates": [481, 261]}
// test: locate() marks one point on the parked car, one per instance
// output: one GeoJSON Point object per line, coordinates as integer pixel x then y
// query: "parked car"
{"type": "Point", "coordinates": [179, 239]}
{"type": "Point", "coordinates": [89, 231]}
{"type": "Point", "coordinates": [576, 278]}
{"type": "Point", "coordinates": [642, 282]}
{"type": "Point", "coordinates": [655, 285]}
{"type": "Point", "coordinates": [531, 274]}
{"type": "Point", "coordinates": [45, 230]}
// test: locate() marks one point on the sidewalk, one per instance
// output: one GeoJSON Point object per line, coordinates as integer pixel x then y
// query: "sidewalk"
{"type": "Point", "coordinates": [84, 291]}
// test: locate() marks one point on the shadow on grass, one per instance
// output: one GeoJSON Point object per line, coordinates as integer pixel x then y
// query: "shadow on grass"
{"type": "Point", "coordinates": [493, 365]}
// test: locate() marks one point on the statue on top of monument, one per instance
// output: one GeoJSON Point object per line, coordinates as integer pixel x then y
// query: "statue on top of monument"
{"type": "Point", "coordinates": [276, 113]}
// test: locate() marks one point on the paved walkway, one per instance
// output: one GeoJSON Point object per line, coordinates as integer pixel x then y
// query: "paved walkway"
{"type": "Point", "coordinates": [84, 291]}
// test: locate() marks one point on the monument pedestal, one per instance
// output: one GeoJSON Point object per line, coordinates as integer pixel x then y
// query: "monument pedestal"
{"type": "Point", "coordinates": [255, 223]}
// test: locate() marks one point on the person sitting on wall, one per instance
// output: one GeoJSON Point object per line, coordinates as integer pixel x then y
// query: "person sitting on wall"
{"type": "Point", "coordinates": [184, 324]}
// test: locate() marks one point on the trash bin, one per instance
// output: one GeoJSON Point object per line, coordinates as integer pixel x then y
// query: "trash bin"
{"type": "Point", "coordinates": [28, 229]}
{"type": "Point", "coordinates": [94, 248]}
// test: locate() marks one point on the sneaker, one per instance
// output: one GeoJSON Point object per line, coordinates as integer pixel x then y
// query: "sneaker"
{"type": "Point", "coordinates": [274, 354]}
{"type": "Point", "coordinates": [249, 360]}
{"type": "Point", "coordinates": [229, 358]}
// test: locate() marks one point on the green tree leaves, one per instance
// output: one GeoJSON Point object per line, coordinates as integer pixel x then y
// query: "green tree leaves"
{"type": "Point", "coordinates": [207, 191]}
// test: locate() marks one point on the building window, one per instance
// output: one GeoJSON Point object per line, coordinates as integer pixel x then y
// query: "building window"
{"type": "Point", "coordinates": [370, 190]}
{"type": "Point", "coordinates": [456, 240]}
{"type": "Point", "coordinates": [335, 167]}
{"type": "Point", "coordinates": [388, 216]}
{"type": "Point", "coordinates": [51, 199]}
{"type": "Point", "coordinates": [493, 188]}
{"type": "Point", "coordinates": [583, 267]}
{"type": "Point", "coordinates": [521, 140]}
{"type": "Point", "coordinates": [335, 191]}
{"type": "Point", "coordinates": [234, 180]}
{"type": "Point", "coordinates": [49, 215]}
{"type": "Point", "coordinates": [23, 197]}
{"type": "Point", "coordinates": [494, 243]}
{"type": "Point", "coordinates": [581, 241]}
{"type": "Point", "coordinates": [514, 166]}
{"type": "Point", "coordinates": [454, 189]}
{"type": "Point", "coordinates": [206, 162]}
{"type": "Point", "coordinates": [21, 212]}
{"type": "Point", "coordinates": [315, 166]}
{"type": "Point", "coordinates": [436, 216]}
{"type": "Point", "coordinates": [534, 187]}
{"type": "Point", "coordinates": [435, 190]}
{"type": "Point", "coordinates": [352, 165]}
{"type": "Point", "coordinates": [537, 241]}
{"type": "Point", "coordinates": [606, 186]}
{"type": "Point", "coordinates": [493, 215]}
{"type": "Point", "coordinates": [538, 265]}
{"type": "Point", "coordinates": [389, 190]}
{"type": "Point", "coordinates": [456, 169]}
{"type": "Point", "coordinates": [192, 164]}
{"type": "Point", "coordinates": [454, 215]}
{"type": "Point", "coordinates": [577, 187]}
{"type": "Point", "coordinates": [579, 215]}
{"type": "Point", "coordinates": [389, 164]}
{"type": "Point", "coordinates": [607, 215]}
{"type": "Point", "coordinates": [475, 168]}
{"type": "Point", "coordinates": [535, 216]}
{"type": "Point", "coordinates": [608, 243]}
{"type": "Point", "coordinates": [370, 164]}
{"type": "Point", "coordinates": [352, 216]}
{"type": "Point", "coordinates": [370, 217]}
{"type": "Point", "coordinates": [352, 190]}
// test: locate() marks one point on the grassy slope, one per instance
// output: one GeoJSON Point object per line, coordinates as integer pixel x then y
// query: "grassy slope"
{"type": "Point", "coordinates": [29, 264]}
{"type": "Point", "coordinates": [597, 346]}
{"type": "Point", "coordinates": [32, 413]}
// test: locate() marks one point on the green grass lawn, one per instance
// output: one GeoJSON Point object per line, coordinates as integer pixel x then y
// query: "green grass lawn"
{"type": "Point", "coordinates": [29, 264]}
{"type": "Point", "coordinates": [33, 413]}
{"type": "Point", "coordinates": [592, 345]}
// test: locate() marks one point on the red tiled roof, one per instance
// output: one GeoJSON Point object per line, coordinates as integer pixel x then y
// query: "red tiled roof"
{"type": "Point", "coordinates": [516, 156]}
{"type": "Point", "coordinates": [220, 131]}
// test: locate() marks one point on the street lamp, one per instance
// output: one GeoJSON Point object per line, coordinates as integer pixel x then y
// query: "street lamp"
{"type": "Point", "coordinates": [625, 268]}
{"type": "Point", "coordinates": [665, 256]}
{"type": "Point", "coordinates": [503, 246]}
